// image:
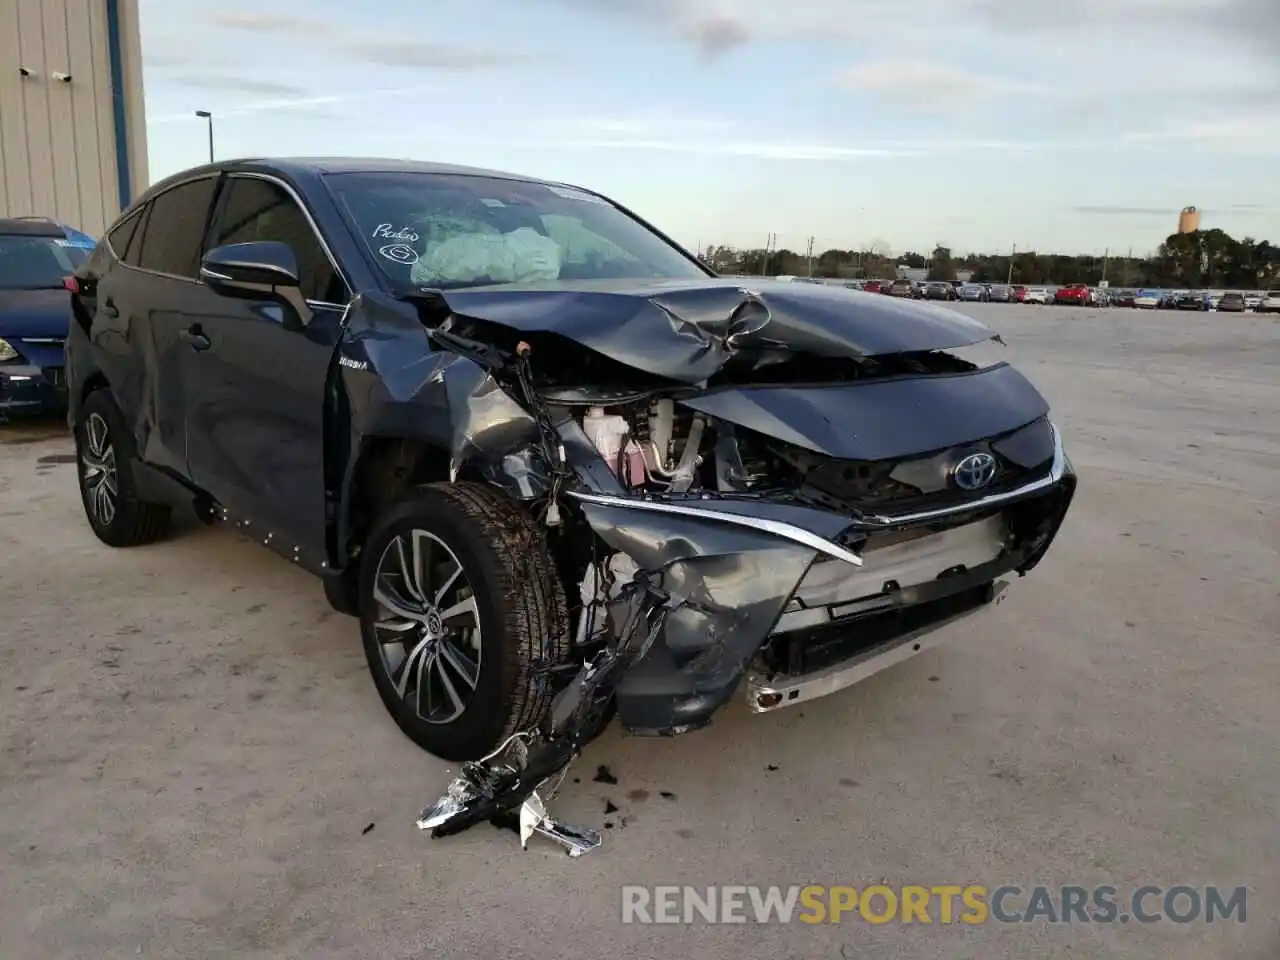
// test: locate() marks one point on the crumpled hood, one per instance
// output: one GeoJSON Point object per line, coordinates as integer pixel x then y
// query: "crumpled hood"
{"type": "Point", "coordinates": [686, 330]}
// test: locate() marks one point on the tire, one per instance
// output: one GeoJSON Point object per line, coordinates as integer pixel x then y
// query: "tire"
{"type": "Point", "coordinates": [510, 624]}
{"type": "Point", "coordinates": [105, 455]}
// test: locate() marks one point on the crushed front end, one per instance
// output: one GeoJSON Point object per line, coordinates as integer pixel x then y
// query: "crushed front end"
{"type": "Point", "coordinates": [732, 514]}
{"type": "Point", "coordinates": [805, 589]}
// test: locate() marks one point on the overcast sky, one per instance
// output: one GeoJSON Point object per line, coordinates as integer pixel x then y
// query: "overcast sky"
{"type": "Point", "coordinates": [1064, 125]}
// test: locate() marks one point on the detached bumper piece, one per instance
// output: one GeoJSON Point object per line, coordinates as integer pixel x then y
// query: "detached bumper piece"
{"type": "Point", "coordinates": [494, 785]}
{"type": "Point", "coordinates": [527, 769]}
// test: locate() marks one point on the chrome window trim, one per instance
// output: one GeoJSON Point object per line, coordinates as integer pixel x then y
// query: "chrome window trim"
{"type": "Point", "coordinates": [252, 174]}
{"type": "Point", "coordinates": [106, 237]}
{"type": "Point", "coordinates": [306, 212]}
{"type": "Point", "coordinates": [141, 207]}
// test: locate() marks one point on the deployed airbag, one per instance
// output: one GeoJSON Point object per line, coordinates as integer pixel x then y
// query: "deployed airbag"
{"type": "Point", "coordinates": [521, 256]}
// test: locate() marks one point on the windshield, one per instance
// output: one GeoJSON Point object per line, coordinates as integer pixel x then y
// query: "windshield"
{"type": "Point", "coordinates": [446, 231]}
{"type": "Point", "coordinates": [37, 263]}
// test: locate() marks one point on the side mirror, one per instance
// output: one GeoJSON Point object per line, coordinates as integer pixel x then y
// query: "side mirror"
{"type": "Point", "coordinates": [263, 270]}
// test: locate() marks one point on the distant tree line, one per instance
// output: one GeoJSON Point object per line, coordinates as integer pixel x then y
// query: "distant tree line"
{"type": "Point", "coordinates": [1204, 258]}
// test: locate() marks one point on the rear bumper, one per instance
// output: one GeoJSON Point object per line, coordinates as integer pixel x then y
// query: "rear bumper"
{"type": "Point", "coordinates": [26, 389]}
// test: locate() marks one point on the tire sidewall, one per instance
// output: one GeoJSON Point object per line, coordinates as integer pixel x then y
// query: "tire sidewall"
{"type": "Point", "coordinates": [100, 402]}
{"type": "Point", "coordinates": [483, 721]}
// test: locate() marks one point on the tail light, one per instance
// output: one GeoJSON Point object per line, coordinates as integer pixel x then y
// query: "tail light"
{"type": "Point", "coordinates": [71, 283]}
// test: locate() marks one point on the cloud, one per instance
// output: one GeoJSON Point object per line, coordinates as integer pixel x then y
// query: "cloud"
{"type": "Point", "coordinates": [412, 53]}
{"type": "Point", "coordinates": [719, 27]}
{"type": "Point", "coordinates": [1101, 53]}
{"type": "Point", "coordinates": [1108, 210]}
{"type": "Point", "coordinates": [761, 150]}
{"type": "Point", "coordinates": [210, 81]}
{"type": "Point", "coordinates": [653, 125]}
{"type": "Point", "coordinates": [295, 104]}
{"type": "Point", "coordinates": [1256, 132]}
{"type": "Point", "coordinates": [717, 136]}
{"type": "Point", "coordinates": [924, 85]}
{"type": "Point", "coordinates": [388, 49]}
{"type": "Point", "coordinates": [267, 23]}
{"type": "Point", "coordinates": [1190, 21]}
{"type": "Point", "coordinates": [716, 36]}
{"type": "Point", "coordinates": [721, 147]}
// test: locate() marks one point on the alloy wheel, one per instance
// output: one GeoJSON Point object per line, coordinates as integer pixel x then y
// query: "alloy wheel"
{"type": "Point", "coordinates": [98, 469]}
{"type": "Point", "coordinates": [428, 626]}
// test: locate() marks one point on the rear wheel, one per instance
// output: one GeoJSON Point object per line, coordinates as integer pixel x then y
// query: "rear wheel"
{"type": "Point", "coordinates": [462, 613]}
{"type": "Point", "coordinates": [105, 460]}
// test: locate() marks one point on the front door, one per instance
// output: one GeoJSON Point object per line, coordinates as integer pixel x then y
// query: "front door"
{"type": "Point", "coordinates": [256, 391]}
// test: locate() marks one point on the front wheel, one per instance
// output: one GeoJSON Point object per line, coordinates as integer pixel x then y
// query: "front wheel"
{"type": "Point", "coordinates": [462, 614]}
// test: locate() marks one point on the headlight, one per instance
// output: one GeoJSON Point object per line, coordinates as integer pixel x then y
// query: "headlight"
{"type": "Point", "coordinates": [7, 352]}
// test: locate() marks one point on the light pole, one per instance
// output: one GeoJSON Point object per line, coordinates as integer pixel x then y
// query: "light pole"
{"type": "Point", "coordinates": [208, 117]}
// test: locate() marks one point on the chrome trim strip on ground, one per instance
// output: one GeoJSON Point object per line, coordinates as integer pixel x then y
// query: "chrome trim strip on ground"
{"type": "Point", "coordinates": [776, 527]}
{"type": "Point", "coordinates": [766, 695]}
{"type": "Point", "coordinates": [1050, 479]}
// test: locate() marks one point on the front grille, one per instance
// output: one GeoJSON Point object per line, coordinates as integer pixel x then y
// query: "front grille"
{"type": "Point", "coordinates": [57, 376]}
{"type": "Point", "coordinates": [923, 483]}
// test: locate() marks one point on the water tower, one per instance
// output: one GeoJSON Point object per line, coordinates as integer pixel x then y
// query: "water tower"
{"type": "Point", "coordinates": [1189, 220]}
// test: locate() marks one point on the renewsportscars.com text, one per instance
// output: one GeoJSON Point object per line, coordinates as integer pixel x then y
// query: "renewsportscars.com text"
{"type": "Point", "coordinates": [941, 904]}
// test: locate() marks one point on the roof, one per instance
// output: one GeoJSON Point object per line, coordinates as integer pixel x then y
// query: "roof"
{"type": "Point", "coordinates": [31, 227]}
{"type": "Point", "coordinates": [328, 165]}
{"type": "Point", "coordinates": [305, 167]}
{"type": "Point", "coordinates": [386, 165]}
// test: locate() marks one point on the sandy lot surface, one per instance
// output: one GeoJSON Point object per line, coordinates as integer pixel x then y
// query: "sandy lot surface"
{"type": "Point", "coordinates": [195, 763]}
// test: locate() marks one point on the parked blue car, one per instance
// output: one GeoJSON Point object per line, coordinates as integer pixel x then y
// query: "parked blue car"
{"type": "Point", "coordinates": [36, 258]}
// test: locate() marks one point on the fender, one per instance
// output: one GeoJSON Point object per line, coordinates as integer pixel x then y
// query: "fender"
{"type": "Point", "coordinates": [431, 414]}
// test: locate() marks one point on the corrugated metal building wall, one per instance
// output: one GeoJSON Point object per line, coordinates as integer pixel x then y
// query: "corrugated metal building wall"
{"type": "Point", "coordinates": [72, 121]}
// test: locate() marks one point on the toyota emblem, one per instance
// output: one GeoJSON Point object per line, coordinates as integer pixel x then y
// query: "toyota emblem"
{"type": "Point", "coordinates": [974, 471]}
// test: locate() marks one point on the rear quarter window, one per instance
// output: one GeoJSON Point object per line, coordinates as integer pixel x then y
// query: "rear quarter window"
{"type": "Point", "coordinates": [123, 233]}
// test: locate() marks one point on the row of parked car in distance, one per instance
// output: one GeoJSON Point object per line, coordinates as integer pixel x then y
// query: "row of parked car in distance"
{"type": "Point", "coordinates": [1072, 294]}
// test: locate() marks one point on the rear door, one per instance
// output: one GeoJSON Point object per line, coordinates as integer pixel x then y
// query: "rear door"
{"type": "Point", "coordinates": [139, 318]}
{"type": "Point", "coordinates": [256, 395]}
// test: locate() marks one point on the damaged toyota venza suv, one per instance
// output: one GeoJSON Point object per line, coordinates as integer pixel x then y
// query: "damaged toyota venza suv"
{"type": "Point", "coordinates": [557, 468]}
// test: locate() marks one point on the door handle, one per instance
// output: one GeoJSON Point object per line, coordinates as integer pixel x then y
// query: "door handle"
{"type": "Point", "coordinates": [196, 337]}
{"type": "Point", "coordinates": [109, 308]}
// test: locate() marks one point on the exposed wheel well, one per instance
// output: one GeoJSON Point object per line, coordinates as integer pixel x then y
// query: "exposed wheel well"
{"type": "Point", "coordinates": [386, 469]}
{"type": "Point", "coordinates": [93, 382]}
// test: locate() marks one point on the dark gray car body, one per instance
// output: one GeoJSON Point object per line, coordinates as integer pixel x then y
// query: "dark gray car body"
{"type": "Point", "coordinates": [298, 436]}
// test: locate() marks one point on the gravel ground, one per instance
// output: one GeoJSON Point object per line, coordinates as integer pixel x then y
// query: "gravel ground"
{"type": "Point", "coordinates": [195, 762]}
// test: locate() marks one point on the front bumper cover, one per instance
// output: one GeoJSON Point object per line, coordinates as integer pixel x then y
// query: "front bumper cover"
{"type": "Point", "coordinates": [728, 575]}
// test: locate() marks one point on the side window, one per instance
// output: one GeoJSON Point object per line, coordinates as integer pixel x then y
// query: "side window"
{"type": "Point", "coordinates": [120, 235]}
{"type": "Point", "coordinates": [134, 254]}
{"type": "Point", "coordinates": [171, 241]}
{"type": "Point", "coordinates": [257, 210]}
